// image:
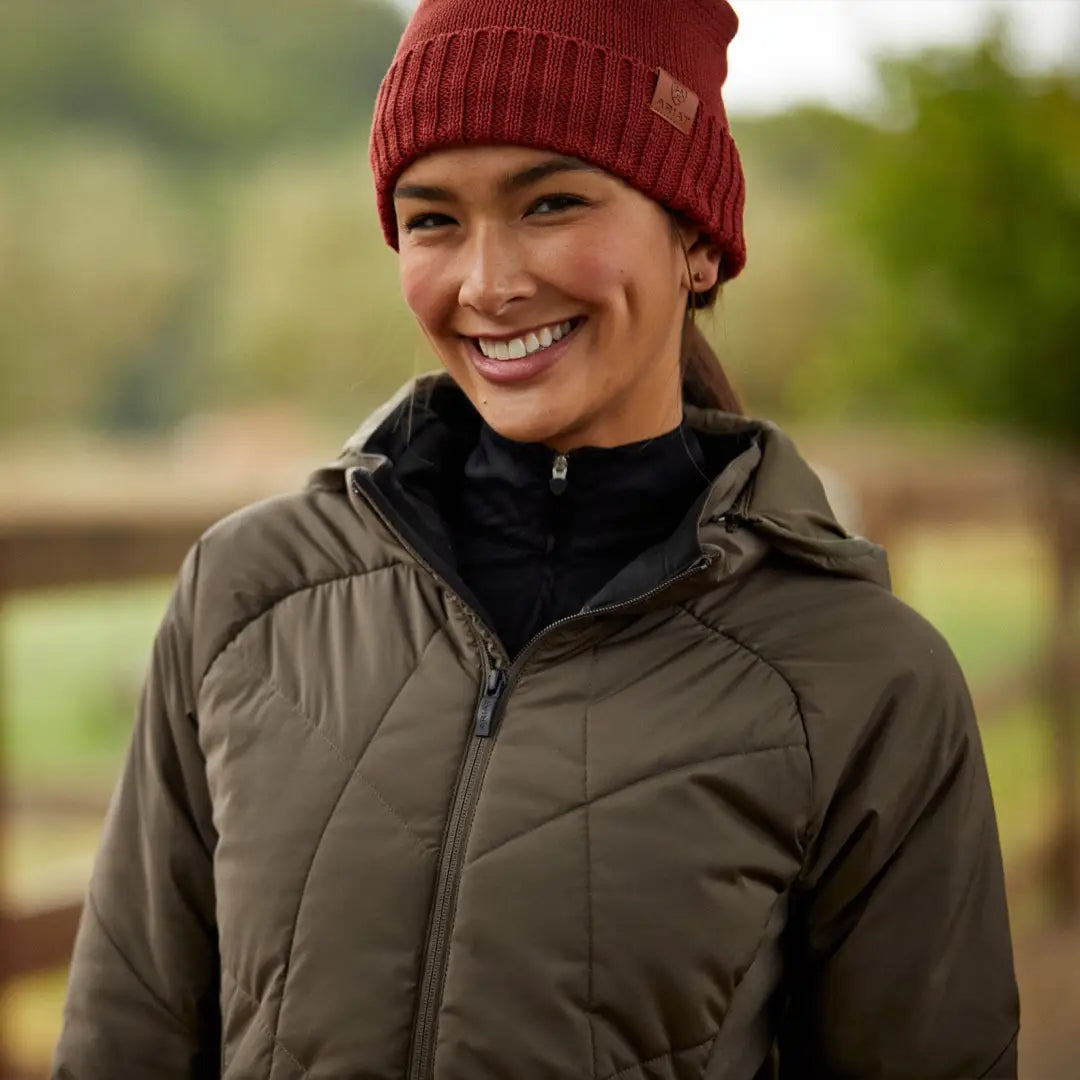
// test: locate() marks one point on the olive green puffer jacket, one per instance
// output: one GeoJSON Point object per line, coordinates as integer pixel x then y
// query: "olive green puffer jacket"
{"type": "Point", "coordinates": [731, 821]}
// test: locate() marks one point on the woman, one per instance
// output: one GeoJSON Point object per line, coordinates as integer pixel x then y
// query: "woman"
{"type": "Point", "coordinates": [557, 730]}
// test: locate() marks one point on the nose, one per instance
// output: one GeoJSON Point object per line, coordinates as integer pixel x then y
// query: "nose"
{"type": "Point", "coordinates": [494, 273]}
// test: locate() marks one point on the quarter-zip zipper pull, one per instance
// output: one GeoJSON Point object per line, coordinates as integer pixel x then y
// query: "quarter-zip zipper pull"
{"type": "Point", "coordinates": [489, 701]}
{"type": "Point", "coordinates": [559, 468]}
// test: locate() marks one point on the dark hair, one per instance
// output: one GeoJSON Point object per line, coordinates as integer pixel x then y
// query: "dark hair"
{"type": "Point", "coordinates": [703, 377]}
{"type": "Point", "coordinates": [704, 381]}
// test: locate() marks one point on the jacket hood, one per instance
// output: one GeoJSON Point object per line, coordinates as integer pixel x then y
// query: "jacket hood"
{"type": "Point", "coordinates": [764, 495]}
{"type": "Point", "coordinates": [772, 489]}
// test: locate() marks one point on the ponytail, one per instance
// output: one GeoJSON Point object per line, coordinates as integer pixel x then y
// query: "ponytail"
{"type": "Point", "coordinates": [704, 381]}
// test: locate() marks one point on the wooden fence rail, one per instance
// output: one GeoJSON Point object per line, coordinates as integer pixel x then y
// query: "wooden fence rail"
{"type": "Point", "coordinates": [40, 554]}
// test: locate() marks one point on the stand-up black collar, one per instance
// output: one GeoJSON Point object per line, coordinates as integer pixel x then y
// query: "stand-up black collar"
{"type": "Point", "coordinates": [537, 534]}
{"type": "Point", "coordinates": [621, 499]}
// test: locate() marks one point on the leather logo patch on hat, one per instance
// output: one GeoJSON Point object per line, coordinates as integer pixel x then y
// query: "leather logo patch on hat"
{"type": "Point", "coordinates": [676, 103]}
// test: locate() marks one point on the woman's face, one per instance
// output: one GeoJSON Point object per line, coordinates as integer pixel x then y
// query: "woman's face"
{"type": "Point", "coordinates": [552, 292]}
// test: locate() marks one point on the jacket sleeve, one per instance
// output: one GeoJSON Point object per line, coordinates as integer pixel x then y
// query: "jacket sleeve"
{"type": "Point", "coordinates": [900, 954]}
{"type": "Point", "coordinates": [142, 998]}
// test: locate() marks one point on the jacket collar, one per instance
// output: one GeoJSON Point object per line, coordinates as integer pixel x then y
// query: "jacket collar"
{"type": "Point", "coordinates": [763, 496]}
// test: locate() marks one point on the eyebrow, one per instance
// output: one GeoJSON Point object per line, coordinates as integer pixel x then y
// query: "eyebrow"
{"type": "Point", "coordinates": [508, 185]}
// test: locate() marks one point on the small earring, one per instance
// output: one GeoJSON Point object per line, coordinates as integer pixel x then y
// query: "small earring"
{"type": "Point", "coordinates": [698, 275]}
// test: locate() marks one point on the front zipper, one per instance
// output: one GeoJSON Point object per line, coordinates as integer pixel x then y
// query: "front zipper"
{"type": "Point", "coordinates": [559, 468]}
{"type": "Point", "coordinates": [489, 701]}
{"type": "Point", "coordinates": [497, 683]}
{"type": "Point", "coordinates": [421, 1059]}
{"type": "Point", "coordinates": [466, 795]}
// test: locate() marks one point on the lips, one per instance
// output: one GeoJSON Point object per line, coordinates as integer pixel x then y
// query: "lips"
{"type": "Point", "coordinates": [521, 368]}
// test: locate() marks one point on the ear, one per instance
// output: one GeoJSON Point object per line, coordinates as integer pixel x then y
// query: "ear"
{"type": "Point", "coordinates": [703, 255]}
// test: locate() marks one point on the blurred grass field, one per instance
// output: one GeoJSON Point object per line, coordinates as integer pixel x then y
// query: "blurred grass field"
{"type": "Point", "coordinates": [74, 661]}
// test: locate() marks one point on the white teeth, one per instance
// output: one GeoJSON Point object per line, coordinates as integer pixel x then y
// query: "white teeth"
{"type": "Point", "coordinates": [517, 348]}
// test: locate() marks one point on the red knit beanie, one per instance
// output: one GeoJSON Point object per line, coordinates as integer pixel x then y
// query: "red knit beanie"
{"type": "Point", "coordinates": [632, 86]}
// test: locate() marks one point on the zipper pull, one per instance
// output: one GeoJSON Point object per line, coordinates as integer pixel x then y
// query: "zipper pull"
{"type": "Point", "coordinates": [489, 701]}
{"type": "Point", "coordinates": [559, 468]}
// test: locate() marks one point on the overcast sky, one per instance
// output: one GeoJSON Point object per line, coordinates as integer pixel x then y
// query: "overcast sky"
{"type": "Point", "coordinates": [822, 50]}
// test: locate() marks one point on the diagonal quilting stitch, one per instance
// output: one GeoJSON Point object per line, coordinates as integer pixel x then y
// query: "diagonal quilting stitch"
{"type": "Point", "coordinates": [704, 1044]}
{"type": "Point", "coordinates": [315, 729]}
{"type": "Point", "coordinates": [295, 707]}
{"type": "Point", "coordinates": [299, 905]}
{"type": "Point", "coordinates": [94, 909]}
{"type": "Point", "coordinates": [626, 787]}
{"type": "Point", "coordinates": [301, 713]}
{"type": "Point", "coordinates": [272, 603]}
{"type": "Point", "coordinates": [260, 1023]}
{"type": "Point", "coordinates": [401, 689]}
{"type": "Point", "coordinates": [356, 774]}
{"type": "Point", "coordinates": [425, 847]}
{"type": "Point", "coordinates": [356, 771]}
{"type": "Point", "coordinates": [225, 1008]}
{"type": "Point", "coordinates": [279, 1048]}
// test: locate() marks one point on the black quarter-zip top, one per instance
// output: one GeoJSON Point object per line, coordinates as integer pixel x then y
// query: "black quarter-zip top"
{"type": "Point", "coordinates": [537, 533]}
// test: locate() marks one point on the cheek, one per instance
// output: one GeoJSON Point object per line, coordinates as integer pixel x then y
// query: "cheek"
{"type": "Point", "coordinates": [425, 290]}
{"type": "Point", "coordinates": [593, 273]}
{"type": "Point", "coordinates": [615, 268]}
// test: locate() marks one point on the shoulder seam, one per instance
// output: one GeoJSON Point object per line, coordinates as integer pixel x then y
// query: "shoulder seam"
{"type": "Point", "coordinates": [727, 635]}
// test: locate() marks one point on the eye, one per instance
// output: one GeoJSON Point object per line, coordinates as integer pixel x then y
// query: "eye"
{"type": "Point", "coordinates": [426, 222]}
{"type": "Point", "coordinates": [552, 204]}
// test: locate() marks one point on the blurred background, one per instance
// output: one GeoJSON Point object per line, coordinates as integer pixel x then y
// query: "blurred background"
{"type": "Point", "coordinates": [196, 307]}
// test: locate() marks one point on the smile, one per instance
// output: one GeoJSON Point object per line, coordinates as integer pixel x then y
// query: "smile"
{"type": "Point", "coordinates": [533, 342]}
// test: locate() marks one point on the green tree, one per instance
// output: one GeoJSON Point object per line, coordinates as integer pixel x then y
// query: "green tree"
{"type": "Point", "coordinates": [969, 207]}
{"type": "Point", "coordinates": [95, 255]}
{"type": "Point", "coordinates": [214, 82]}
{"type": "Point", "coordinates": [780, 315]}
{"type": "Point", "coordinates": [311, 309]}
{"type": "Point", "coordinates": [130, 136]}
{"type": "Point", "coordinates": [972, 213]}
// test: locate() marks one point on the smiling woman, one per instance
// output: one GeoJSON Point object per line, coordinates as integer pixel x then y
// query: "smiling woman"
{"type": "Point", "coordinates": [557, 729]}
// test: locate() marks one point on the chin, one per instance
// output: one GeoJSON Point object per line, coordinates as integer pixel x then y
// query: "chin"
{"type": "Point", "coordinates": [524, 428]}
{"type": "Point", "coordinates": [528, 419]}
